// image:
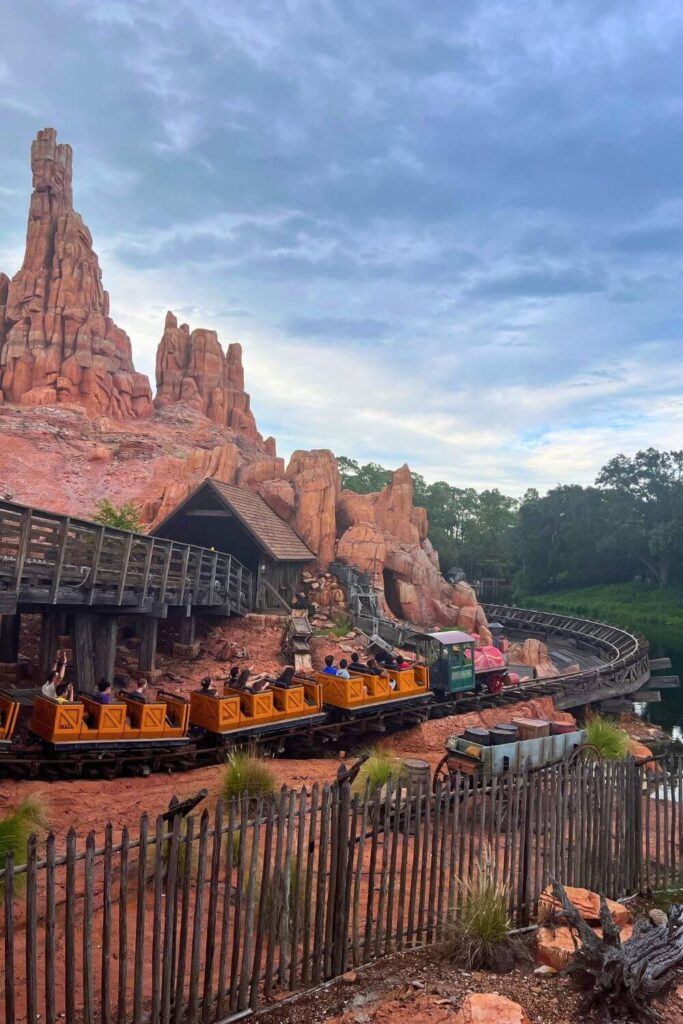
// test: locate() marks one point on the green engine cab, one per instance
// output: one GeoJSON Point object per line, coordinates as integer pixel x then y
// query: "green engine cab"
{"type": "Point", "coordinates": [449, 656]}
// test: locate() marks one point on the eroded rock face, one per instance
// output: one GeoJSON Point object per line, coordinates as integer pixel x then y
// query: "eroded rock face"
{"type": "Point", "coordinates": [58, 344]}
{"type": "Point", "coordinates": [315, 479]}
{"type": "Point", "coordinates": [385, 535]}
{"type": "Point", "coordinates": [58, 341]}
{"type": "Point", "coordinates": [193, 368]}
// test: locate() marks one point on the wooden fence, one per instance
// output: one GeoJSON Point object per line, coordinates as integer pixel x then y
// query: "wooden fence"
{"type": "Point", "coordinates": [218, 914]}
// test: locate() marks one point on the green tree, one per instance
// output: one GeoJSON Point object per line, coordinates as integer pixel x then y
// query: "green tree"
{"type": "Point", "coordinates": [571, 537]}
{"type": "Point", "coordinates": [123, 517]}
{"type": "Point", "coordinates": [362, 479]}
{"type": "Point", "coordinates": [649, 487]}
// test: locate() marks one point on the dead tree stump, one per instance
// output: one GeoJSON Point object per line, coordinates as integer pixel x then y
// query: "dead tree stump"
{"type": "Point", "coordinates": [619, 981]}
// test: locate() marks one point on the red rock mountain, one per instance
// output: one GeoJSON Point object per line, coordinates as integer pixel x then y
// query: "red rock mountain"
{"type": "Point", "coordinates": [60, 344]}
{"type": "Point", "coordinates": [93, 430]}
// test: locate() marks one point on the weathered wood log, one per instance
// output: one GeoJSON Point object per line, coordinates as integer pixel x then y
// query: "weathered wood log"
{"type": "Point", "coordinates": [620, 980]}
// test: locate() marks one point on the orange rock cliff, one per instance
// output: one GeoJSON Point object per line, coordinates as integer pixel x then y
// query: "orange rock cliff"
{"type": "Point", "coordinates": [93, 429]}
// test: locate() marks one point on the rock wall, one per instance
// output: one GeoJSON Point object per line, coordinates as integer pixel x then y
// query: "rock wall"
{"type": "Point", "coordinates": [193, 368]}
{"type": "Point", "coordinates": [385, 535]}
{"type": "Point", "coordinates": [58, 341]}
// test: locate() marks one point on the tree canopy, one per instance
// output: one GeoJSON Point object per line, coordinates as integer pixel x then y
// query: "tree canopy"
{"type": "Point", "coordinates": [628, 525]}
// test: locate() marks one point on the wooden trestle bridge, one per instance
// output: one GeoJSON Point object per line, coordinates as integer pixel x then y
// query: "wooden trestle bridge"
{"type": "Point", "coordinates": [57, 565]}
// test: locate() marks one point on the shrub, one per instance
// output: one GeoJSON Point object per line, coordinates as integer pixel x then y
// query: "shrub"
{"type": "Point", "coordinates": [343, 624]}
{"type": "Point", "coordinates": [376, 770]}
{"type": "Point", "coordinates": [123, 517]}
{"type": "Point", "coordinates": [247, 774]}
{"type": "Point", "coordinates": [609, 740]}
{"type": "Point", "coordinates": [15, 831]}
{"type": "Point", "coordinates": [478, 930]}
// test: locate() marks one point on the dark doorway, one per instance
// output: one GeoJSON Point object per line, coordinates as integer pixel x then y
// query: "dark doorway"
{"type": "Point", "coordinates": [391, 593]}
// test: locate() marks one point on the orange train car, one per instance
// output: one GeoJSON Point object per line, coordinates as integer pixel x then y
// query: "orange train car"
{"type": "Point", "coordinates": [239, 711]}
{"type": "Point", "coordinates": [364, 692]}
{"type": "Point", "coordinates": [87, 722]}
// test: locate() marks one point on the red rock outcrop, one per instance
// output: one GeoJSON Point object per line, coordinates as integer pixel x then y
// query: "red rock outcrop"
{"type": "Point", "coordinates": [60, 343]}
{"type": "Point", "coordinates": [315, 479]}
{"type": "Point", "coordinates": [385, 535]}
{"type": "Point", "coordinates": [193, 368]}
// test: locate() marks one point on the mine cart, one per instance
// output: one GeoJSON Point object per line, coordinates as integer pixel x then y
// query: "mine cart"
{"type": "Point", "coordinates": [479, 762]}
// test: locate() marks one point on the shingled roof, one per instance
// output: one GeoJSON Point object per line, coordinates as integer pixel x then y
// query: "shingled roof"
{"type": "Point", "coordinates": [267, 529]}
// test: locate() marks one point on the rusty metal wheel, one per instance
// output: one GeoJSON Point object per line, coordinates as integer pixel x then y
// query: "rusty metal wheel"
{"type": "Point", "coordinates": [584, 752]}
{"type": "Point", "coordinates": [441, 772]}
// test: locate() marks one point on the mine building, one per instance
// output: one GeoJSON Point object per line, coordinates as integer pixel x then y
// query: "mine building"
{"type": "Point", "coordinates": [240, 523]}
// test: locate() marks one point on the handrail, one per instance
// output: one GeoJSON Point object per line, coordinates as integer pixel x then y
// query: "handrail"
{"type": "Point", "coordinates": [49, 558]}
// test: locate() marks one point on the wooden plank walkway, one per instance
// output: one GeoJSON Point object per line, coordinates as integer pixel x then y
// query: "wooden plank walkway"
{"type": "Point", "coordinates": [47, 559]}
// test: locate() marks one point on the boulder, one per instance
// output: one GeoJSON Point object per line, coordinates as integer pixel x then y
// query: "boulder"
{"type": "Point", "coordinates": [586, 902]}
{"type": "Point", "coordinates": [555, 947]}
{"type": "Point", "coordinates": [490, 1008]}
{"type": "Point", "coordinates": [57, 340]}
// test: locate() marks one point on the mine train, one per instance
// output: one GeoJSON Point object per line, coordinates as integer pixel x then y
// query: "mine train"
{"type": "Point", "coordinates": [40, 736]}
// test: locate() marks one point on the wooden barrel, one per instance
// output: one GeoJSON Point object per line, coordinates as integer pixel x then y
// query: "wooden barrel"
{"type": "Point", "coordinates": [480, 736]}
{"type": "Point", "coordinates": [561, 728]}
{"type": "Point", "coordinates": [500, 736]}
{"type": "Point", "coordinates": [417, 772]}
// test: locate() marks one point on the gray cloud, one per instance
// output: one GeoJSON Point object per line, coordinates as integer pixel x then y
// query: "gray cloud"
{"type": "Point", "coordinates": [362, 329]}
{"type": "Point", "coordinates": [488, 191]}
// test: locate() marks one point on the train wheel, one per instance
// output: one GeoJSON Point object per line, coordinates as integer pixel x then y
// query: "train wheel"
{"type": "Point", "coordinates": [441, 772]}
{"type": "Point", "coordinates": [495, 684]}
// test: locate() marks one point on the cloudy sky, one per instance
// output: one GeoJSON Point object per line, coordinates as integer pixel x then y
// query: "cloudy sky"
{"type": "Point", "coordinates": [445, 232]}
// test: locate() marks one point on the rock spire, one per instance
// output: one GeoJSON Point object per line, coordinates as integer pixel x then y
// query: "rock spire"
{"type": "Point", "coordinates": [193, 368]}
{"type": "Point", "coordinates": [58, 342]}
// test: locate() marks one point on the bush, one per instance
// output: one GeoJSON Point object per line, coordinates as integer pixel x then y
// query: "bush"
{"type": "Point", "coordinates": [610, 741]}
{"type": "Point", "coordinates": [123, 517]}
{"type": "Point", "coordinates": [478, 931]}
{"type": "Point", "coordinates": [343, 624]}
{"type": "Point", "coordinates": [16, 829]}
{"type": "Point", "coordinates": [247, 774]}
{"type": "Point", "coordinates": [376, 770]}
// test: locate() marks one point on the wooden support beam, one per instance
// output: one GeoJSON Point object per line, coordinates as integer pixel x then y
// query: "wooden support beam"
{"type": "Point", "coordinates": [105, 633]}
{"type": "Point", "coordinates": [646, 697]}
{"type": "Point", "coordinates": [665, 682]}
{"type": "Point", "coordinates": [84, 655]}
{"type": "Point", "coordinates": [659, 663]}
{"type": "Point", "coordinates": [50, 623]}
{"type": "Point", "coordinates": [59, 562]}
{"type": "Point", "coordinates": [186, 630]}
{"type": "Point", "coordinates": [10, 625]}
{"type": "Point", "coordinates": [148, 644]}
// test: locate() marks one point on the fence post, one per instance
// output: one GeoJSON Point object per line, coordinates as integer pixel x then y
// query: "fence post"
{"type": "Point", "coordinates": [31, 929]}
{"type": "Point", "coordinates": [340, 845]}
{"type": "Point", "coordinates": [9, 938]}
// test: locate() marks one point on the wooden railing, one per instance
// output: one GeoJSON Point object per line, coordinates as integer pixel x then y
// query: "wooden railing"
{"type": "Point", "coordinates": [46, 558]}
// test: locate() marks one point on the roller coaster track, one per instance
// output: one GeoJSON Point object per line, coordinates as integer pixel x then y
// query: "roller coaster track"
{"type": "Point", "coordinates": [625, 668]}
